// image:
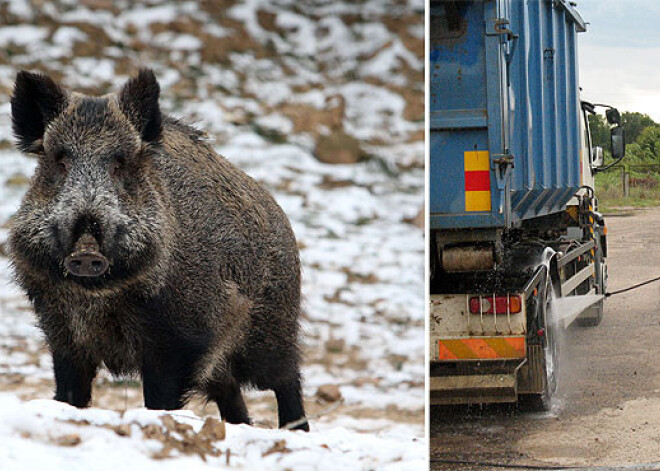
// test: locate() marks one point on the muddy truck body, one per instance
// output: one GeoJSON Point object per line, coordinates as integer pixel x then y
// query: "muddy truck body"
{"type": "Point", "coordinates": [514, 224]}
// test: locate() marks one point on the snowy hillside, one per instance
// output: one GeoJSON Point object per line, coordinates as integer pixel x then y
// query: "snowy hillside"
{"type": "Point", "coordinates": [281, 87]}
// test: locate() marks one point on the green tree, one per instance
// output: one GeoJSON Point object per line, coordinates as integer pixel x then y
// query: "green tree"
{"type": "Point", "coordinates": [634, 124]}
{"type": "Point", "coordinates": [634, 153]}
{"type": "Point", "coordinates": [647, 146]}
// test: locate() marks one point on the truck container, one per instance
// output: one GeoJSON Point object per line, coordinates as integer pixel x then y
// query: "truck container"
{"type": "Point", "coordinates": [513, 211]}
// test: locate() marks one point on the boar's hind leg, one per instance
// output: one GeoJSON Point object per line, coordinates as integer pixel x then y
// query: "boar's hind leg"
{"type": "Point", "coordinates": [290, 404]}
{"type": "Point", "coordinates": [73, 379]}
{"type": "Point", "coordinates": [230, 403]}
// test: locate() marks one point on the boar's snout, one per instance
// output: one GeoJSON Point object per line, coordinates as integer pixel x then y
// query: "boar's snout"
{"type": "Point", "coordinates": [86, 260]}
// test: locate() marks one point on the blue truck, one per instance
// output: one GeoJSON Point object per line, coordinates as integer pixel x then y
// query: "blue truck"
{"type": "Point", "coordinates": [514, 221]}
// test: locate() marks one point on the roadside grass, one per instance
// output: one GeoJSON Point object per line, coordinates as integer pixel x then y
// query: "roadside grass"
{"type": "Point", "coordinates": [609, 190]}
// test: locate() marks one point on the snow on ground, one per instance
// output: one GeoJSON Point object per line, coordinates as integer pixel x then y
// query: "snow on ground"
{"type": "Point", "coordinates": [266, 80]}
{"type": "Point", "coordinates": [47, 434]}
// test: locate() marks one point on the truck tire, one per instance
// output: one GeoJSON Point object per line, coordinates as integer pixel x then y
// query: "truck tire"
{"type": "Point", "coordinates": [594, 315]}
{"type": "Point", "coordinates": [545, 360]}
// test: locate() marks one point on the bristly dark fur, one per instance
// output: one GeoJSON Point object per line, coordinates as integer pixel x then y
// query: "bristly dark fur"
{"type": "Point", "coordinates": [202, 293]}
{"type": "Point", "coordinates": [35, 102]}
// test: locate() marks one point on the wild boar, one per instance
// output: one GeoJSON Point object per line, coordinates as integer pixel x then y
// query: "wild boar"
{"type": "Point", "coordinates": [144, 250]}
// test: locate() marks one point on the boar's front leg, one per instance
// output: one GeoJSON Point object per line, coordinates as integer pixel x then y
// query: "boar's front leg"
{"type": "Point", "coordinates": [164, 383]}
{"type": "Point", "coordinates": [73, 379]}
{"type": "Point", "coordinates": [169, 357]}
{"type": "Point", "coordinates": [168, 369]}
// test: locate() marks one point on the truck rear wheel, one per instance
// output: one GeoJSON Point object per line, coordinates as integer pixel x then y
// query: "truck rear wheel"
{"type": "Point", "coordinates": [544, 359]}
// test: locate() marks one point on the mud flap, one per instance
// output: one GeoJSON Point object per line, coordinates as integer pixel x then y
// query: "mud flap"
{"type": "Point", "coordinates": [531, 377]}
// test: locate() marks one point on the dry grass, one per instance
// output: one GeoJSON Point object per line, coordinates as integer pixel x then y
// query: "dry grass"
{"type": "Point", "coordinates": [609, 190]}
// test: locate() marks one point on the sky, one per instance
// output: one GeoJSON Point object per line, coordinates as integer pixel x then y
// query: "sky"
{"type": "Point", "coordinates": [620, 54]}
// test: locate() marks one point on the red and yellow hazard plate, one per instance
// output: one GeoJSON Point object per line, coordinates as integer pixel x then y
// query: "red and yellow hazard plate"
{"type": "Point", "coordinates": [477, 181]}
{"type": "Point", "coordinates": [485, 348]}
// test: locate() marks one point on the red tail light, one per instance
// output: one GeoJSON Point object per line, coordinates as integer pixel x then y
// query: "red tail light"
{"type": "Point", "coordinates": [503, 304]}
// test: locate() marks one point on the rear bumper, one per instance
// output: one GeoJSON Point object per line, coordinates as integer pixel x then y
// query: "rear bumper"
{"type": "Point", "coordinates": [449, 390]}
{"type": "Point", "coordinates": [474, 382]}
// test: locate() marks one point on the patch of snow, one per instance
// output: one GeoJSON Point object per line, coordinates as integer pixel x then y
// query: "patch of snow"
{"type": "Point", "coordinates": [85, 15]}
{"type": "Point", "coordinates": [142, 17]}
{"type": "Point", "coordinates": [271, 93]}
{"type": "Point", "coordinates": [216, 30]}
{"type": "Point", "coordinates": [315, 98]}
{"type": "Point", "coordinates": [300, 31]}
{"type": "Point", "coordinates": [21, 8]}
{"type": "Point", "coordinates": [22, 35]}
{"type": "Point", "coordinates": [374, 111]}
{"type": "Point", "coordinates": [66, 36]}
{"type": "Point", "coordinates": [275, 122]}
{"type": "Point", "coordinates": [387, 60]}
{"type": "Point", "coordinates": [93, 70]}
{"type": "Point", "coordinates": [178, 42]}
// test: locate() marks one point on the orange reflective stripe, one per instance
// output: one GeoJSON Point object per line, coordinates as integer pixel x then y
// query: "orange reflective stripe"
{"type": "Point", "coordinates": [457, 350]}
{"type": "Point", "coordinates": [482, 348]}
{"type": "Point", "coordinates": [518, 343]}
{"type": "Point", "coordinates": [512, 347]}
{"type": "Point", "coordinates": [486, 348]}
{"type": "Point", "coordinates": [444, 353]}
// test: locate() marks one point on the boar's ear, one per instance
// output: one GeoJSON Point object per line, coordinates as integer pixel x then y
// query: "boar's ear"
{"type": "Point", "coordinates": [138, 100]}
{"type": "Point", "coordinates": [36, 100]}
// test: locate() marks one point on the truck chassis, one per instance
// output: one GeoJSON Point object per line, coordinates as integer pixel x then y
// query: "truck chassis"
{"type": "Point", "coordinates": [484, 357]}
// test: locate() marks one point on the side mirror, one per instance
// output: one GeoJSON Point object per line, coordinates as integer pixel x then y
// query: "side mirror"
{"type": "Point", "coordinates": [597, 157]}
{"type": "Point", "coordinates": [618, 143]}
{"type": "Point", "coordinates": [613, 116]}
